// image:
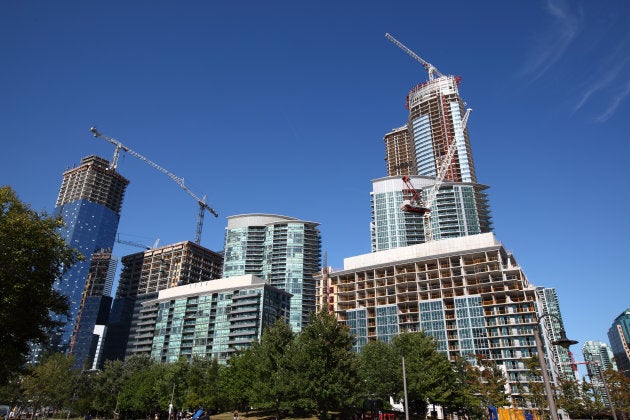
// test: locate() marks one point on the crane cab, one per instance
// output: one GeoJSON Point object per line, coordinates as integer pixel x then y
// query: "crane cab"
{"type": "Point", "coordinates": [409, 206]}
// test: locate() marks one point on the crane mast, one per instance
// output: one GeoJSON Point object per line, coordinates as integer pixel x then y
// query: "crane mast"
{"type": "Point", "coordinates": [430, 68]}
{"type": "Point", "coordinates": [179, 181]}
{"type": "Point", "coordinates": [441, 174]}
{"type": "Point", "coordinates": [325, 290]}
{"type": "Point", "coordinates": [416, 205]}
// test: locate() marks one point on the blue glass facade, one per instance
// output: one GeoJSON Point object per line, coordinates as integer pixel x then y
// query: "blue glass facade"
{"type": "Point", "coordinates": [89, 228]}
{"type": "Point", "coordinates": [89, 201]}
{"type": "Point", "coordinates": [94, 311]}
{"type": "Point", "coordinates": [386, 322]}
{"type": "Point", "coordinates": [619, 337]}
{"type": "Point", "coordinates": [356, 320]}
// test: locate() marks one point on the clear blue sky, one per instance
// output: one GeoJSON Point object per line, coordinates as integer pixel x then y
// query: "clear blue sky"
{"type": "Point", "coordinates": [281, 107]}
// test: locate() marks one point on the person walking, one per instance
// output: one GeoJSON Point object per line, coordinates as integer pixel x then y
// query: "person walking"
{"type": "Point", "coordinates": [235, 415]}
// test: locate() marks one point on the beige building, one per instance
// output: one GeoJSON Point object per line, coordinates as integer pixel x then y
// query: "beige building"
{"type": "Point", "coordinates": [469, 293]}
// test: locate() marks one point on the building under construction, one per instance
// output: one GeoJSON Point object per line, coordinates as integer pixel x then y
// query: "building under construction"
{"type": "Point", "coordinates": [458, 285]}
{"type": "Point", "coordinates": [89, 201]}
{"type": "Point", "coordinates": [459, 209]}
{"type": "Point", "coordinates": [143, 275]}
{"type": "Point", "coordinates": [89, 328]}
{"type": "Point", "coordinates": [436, 113]}
{"type": "Point", "coordinates": [400, 154]}
{"type": "Point", "coordinates": [469, 293]}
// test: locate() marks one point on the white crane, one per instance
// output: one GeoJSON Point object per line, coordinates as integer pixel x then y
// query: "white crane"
{"type": "Point", "coordinates": [430, 68]}
{"type": "Point", "coordinates": [179, 181]}
{"type": "Point", "coordinates": [416, 205]}
{"type": "Point", "coordinates": [447, 160]}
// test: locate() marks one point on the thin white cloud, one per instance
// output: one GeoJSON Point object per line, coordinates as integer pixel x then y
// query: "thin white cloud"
{"type": "Point", "coordinates": [614, 104]}
{"type": "Point", "coordinates": [600, 84]}
{"type": "Point", "coordinates": [555, 42]}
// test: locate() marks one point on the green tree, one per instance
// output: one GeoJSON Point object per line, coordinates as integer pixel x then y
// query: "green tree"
{"type": "Point", "coordinates": [619, 388]}
{"type": "Point", "coordinates": [492, 383]}
{"type": "Point", "coordinates": [83, 392]}
{"type": "Point", "coordinates": [323, 365]}
{"type": "Point", "coordinates": [429, 374]}
{"type": "Point", "coordinates": [235, 381]}
{"type": "Point", "coordinates": [466, 397]}
{"type": "Point", "coordinates": [174, 378]}
{"type": "Point", "coordinates": [10, 393]}
{"type": "Point", "coordinates": [571, 398]}
{"type": "Point", "coordinates": [32, 256]}
{"type": "Point", "coordinates": [200, 383]}
{"type": "Point", "coordinates": [593, 403]}
{"type": "Point", "coordinates": [52, 382]}
{"type": "Point", "coordinates": [106, 387]}
{"type": "Point", "coordinates": [270, 382]}
{"type": "Point", "coordinates": [536, 395]}
{"type": "Point", "coordinates": [138, 393]}
{"type": "Point", "coordinates": [379, 371]}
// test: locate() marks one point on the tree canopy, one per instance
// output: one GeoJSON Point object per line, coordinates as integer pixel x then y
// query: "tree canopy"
{"type": "Point", "coordinates": [32, 256]}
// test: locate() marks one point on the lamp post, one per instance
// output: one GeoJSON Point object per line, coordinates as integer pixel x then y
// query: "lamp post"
{"type": "Point", "coordinates": [405, 387]}
{"type": "Point", "coordinates": [600, 373]}
{"type": "Point", "coordinates": [562, 342]}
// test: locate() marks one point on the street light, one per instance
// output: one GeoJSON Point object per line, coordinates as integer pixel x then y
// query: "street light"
{"type": "Point", "coordinates": [600, 373]}
{"type": "Point", "coordinates": [562, 342]}
{"type": "Point", "coordinates": [405, 386]}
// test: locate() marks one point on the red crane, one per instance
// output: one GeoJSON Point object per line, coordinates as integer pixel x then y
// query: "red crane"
{"type": "Point", "coordinates": [415, 203]}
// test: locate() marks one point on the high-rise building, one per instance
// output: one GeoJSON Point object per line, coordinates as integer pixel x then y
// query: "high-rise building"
{"type": "Point", "coordinates": [600, 354]}
{"type": "Point", "coordinates": [461, 286]}
{"type": "Point", "coordinates": [143, 276]}
{"type": "Point", "coordinates": [212, 319]}
{"type": "Point", "coordinates": [436, 114]}
{"type": "Point", "coordinates": [400, 153]}
{"type": "Point", "coordinates": [90, 326]}
{"type": "Point", "coordinates": [469, 293]}
{"type": "Point", "coordinates": [619, 338]}
{"type": "Point", "coordinates": [460, 209]}
{"type": "Point", "coordinates": [89, 201]}
{"type": "Point", "coordinates": [598, 357]}
{"type": "Point", "coordinates": [551, 326]}
{"type": "Point", "coordinates": [284, 251]}
{"type": "Point", "coordinates": [435, 126]}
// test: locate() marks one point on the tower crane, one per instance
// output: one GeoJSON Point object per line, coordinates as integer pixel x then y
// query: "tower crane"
{"type": "Point", "coordinates": [179, 181]}
{"type": "Point", "coordinates": [430, 68]}
{"type": "Point", "coordinates": [325, 290]}
{"type": "Point", "coordinates": [416, 205]}
{"type": "Point", "coordinates": [137, 244]}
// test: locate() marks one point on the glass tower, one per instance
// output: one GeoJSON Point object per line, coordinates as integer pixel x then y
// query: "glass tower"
{"type": "Point", "coordinates": [436, 112]}
{"type": "Point", "coordinates": [284, 251]}
{"type": "Point", "coordinates": [598, 358]}
{"type": "Point", "coordinates": [460, 209]}
{"type": "Point", "coordinates": [619, 337]}
{"type": "Point", "coordinates": [89, 201]}
{"type": "Point", "coordinates": [89, 328]}
{"type": "Point", "coordinates": [559, 358]}
{"type": "Point", "coordinates": [143, 276]}
{"type": "Point", "coordinates": [418, 150]}
{"type": "Point", "coordinates": [215, 318]}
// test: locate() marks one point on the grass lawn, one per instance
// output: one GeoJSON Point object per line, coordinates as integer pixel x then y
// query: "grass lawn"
{"type": "Point", "coordinates": [254, 415]}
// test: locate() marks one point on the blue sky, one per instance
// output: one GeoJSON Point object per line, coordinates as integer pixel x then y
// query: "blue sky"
{"type": "Point", "coordinates": [281, 107]}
